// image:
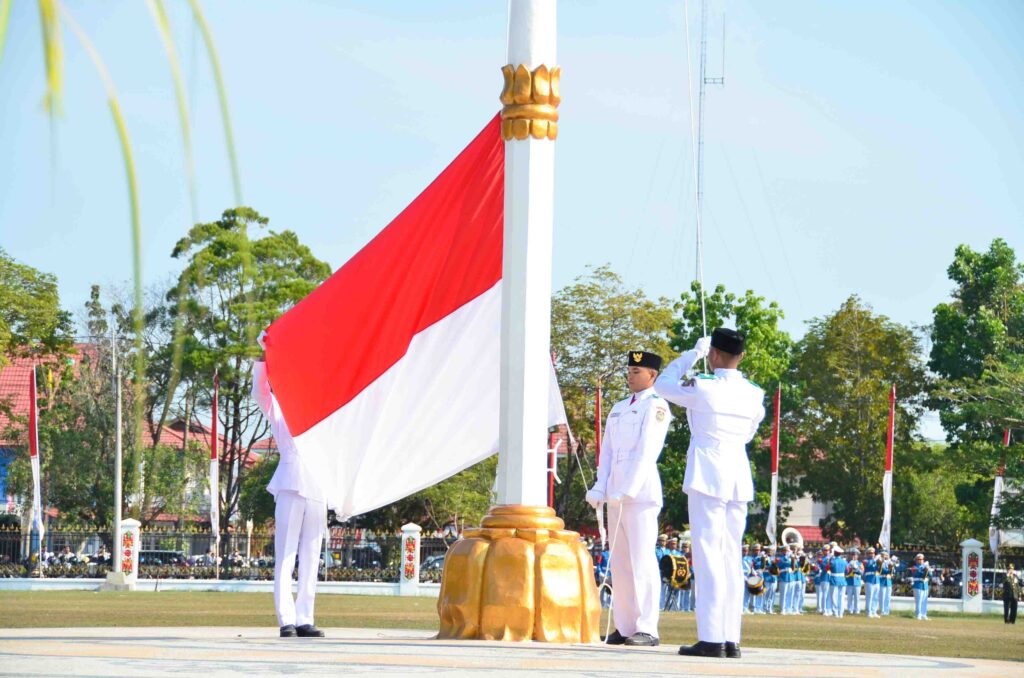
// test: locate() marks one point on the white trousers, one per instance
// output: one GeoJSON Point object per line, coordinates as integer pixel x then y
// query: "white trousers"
{"type": "Point", "coordinates": [299, 525]}
{"type": "Point", "coordinates": [636, 588]}
{"type": "Point", "coordinates": [716, 527]}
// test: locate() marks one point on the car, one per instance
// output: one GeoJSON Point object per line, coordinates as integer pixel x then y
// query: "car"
{"type": "Point", "coordinates": [162, 558]}
{"type": "Point", "coordinates": [435, 562]}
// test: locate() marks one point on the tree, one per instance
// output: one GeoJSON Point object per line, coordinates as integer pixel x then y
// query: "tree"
{"type": "Point", "coordinates": [843, 371]}
{"type": "Point", "coordinates": [234, 287]}
{"type": "Point", "coordinates": [978, 354]}
{"type": "Point", "coordinates": [31, 319]}
{"type": "Point", "coordinates": [595, 321]}
{"type": "Point", "coordinates": [768, 350]}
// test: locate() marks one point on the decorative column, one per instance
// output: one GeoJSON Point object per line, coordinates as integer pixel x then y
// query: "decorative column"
{"type": "Point", "coordinates": [409, 576]}
{"type": "Point", "coordinates": [970, 581]}
{"type": "Point", "coordinates": [125, 557]}
{"type": "Point", "coordinates": [521, 575]}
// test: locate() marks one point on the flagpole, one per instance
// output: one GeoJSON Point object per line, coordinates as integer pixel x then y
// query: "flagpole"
{"type": "Point", "coordinates": [885, 536]}
{"type": "Point", "coordinates": [771, 525]}
{"type": "Point", "coordinates": [117, 452]}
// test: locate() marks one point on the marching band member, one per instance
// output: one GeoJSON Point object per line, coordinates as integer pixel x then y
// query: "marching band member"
{"type": "Point", "coordinates": [886, 572]}
{"type": "Point", "coordinates": [854, 570]}
{"type": "Point", "coordinates": [784, 563]}
{"type": "Point", "coordinates": [771, 572]}
{"type": "Point", "coordinates": [628, 480]}
{"type": "Point", "coordinates": [871, 584]}
{"type": "Point", "coordinates": [920, 572]}
{"type": "Point", "coordinates": [837, 582]}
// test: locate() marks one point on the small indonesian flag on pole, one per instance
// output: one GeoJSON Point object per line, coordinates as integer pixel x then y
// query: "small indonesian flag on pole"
{"type": "Point", "coordinates": [33, 447]}
{"type": "Point", "coordinates": [597, 426]}
{"type": "Point", "coordinates": [997, 496]}
{"type": "Point", "coordinates": [771, 526]}
{"type": "Point", "coordinates": [214, 467]}
{"type": "Point", "coordinates": [884, 537]}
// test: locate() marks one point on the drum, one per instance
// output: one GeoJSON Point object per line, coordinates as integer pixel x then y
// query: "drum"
{"type": "Point", "coordinates": [755, 584]}
{"type": "Point", "coordinates": [675, 570]}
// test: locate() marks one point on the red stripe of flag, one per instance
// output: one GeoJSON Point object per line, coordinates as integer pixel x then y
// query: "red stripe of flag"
{"type": "Point", "coordinates": [1006, 438]}
{"type": "Point", "coordinates": [33, 415]}
{"type": "Point", "coordinates": [443, 251]}
{"type": "Point", "coordinates": [775, 431]}
{"type": "Point", "coordinates": [892, 421]}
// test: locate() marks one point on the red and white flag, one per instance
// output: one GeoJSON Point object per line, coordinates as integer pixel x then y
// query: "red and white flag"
{"type": "Point", "coordinates": [33, 449]}
{"type": "Point", "coordinates": [884, 537]}
{"type": "Point", "coordinates": [997, 497]}
{"type": "Point", "coordinates": [214, 467]}
{"type": "Point", "coordinates": [771, 525]}
{"type": "Point", "coordinates": [597, 426]}
{"type": "Point", "coordinates": [387, 373]}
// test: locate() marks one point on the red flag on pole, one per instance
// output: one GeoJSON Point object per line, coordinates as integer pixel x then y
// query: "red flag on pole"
{"type": "Point", "coordinates": [883, 538]}
{"type": "Point", "coordinates": [772, 525]}
{"type": "Point", "coordinates": [997, 496]}
{"type": "Point", "coordinates": [33, 448]}
{"type": "Point", "coordinates": [214, 467]}
{"type": "Point", "coordinates": [597, 426]}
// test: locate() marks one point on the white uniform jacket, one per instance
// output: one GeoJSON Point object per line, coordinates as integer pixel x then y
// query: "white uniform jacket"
{"type": "Point", "coordinates": [724, 412]}
{"type": "Point", "coordinates": [295, 472]}
{"type": "Point", "coordinates": [633, 437]}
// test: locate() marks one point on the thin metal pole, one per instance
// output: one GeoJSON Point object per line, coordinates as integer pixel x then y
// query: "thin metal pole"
{"type": "Point", "coordinates": [117, 453]}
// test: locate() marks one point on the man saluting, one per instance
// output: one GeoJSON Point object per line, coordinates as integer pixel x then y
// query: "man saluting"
{"type": "Point", "coordinates": [628, 480]}
{"type": "Point", "coordinates": [723, 411]}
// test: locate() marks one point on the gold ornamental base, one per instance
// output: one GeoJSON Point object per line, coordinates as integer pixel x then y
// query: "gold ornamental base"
{"type": "Point", "coordinates": [519, 576]}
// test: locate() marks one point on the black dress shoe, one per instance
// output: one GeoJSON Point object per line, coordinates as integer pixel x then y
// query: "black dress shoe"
{"type": "Point", "coordinates": [614, 638]}
{"type": "Point", "coordinates": [309, 631]}
{"type": "Point", "coordinates": [288, 631]}
{"type": "Point", "coordinates": [641, 640]}
{"type": "Point", "coordinates": [703, 649]}
{"type": "Point", "coordinates": [732, 650]}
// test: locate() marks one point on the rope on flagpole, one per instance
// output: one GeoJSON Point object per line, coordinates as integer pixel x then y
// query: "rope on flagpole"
{"type": "Point", "coordinates": [696, 186]}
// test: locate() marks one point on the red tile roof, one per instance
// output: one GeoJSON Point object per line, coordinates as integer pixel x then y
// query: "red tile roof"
{"type": "Point", "coordinates": [810, 534]}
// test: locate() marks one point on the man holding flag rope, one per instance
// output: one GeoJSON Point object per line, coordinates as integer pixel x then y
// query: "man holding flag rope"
{"type": "Point", "coordinates": [723, 411]}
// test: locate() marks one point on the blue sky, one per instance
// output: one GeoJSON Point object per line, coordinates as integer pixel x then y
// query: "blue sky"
{"type": "Point", "coordinates": [853, 146]}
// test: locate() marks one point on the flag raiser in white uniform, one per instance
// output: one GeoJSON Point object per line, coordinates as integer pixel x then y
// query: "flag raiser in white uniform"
{"type": "Point", "coordinates": [723, 411]}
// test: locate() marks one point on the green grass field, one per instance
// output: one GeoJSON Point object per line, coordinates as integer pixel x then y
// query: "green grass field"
{"type": "Point", "coordinates": [943, 636]}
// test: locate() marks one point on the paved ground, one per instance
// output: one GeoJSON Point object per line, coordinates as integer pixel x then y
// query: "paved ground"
{"type": "Point", "coordinates": [357, 652]}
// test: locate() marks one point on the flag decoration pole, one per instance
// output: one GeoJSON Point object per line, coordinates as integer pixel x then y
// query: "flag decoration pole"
{"type": "Point", "coordinates": [521, 575]}
{"type": "Point", "coordinates": [597, 426]}
{"type": "Point", "coordinates": [997, 495]}
{"type": "Point", "coordinates": [215, 481]}
{"type": "Point", "coordinates": [884, 537]}
{"type": "Point", "coordinates": [33, 445]}
{"type": "Point", "coordinates": [771, 526]}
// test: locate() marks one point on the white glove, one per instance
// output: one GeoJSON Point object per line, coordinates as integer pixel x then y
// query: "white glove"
{"type": "Point", "coordinates": [703, 347]}
{"type": "Point", "coordinates": [594, 498]}
{"type": "Point", "coordinates": [259, 340]}
{"type": "Point", "coordinates": [615, 501]}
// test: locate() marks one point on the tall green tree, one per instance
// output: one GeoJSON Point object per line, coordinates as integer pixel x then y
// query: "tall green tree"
{"type": "Point", "coordinates": [234, 286]}
{"type": "Point", "coordinates": [595, 321]}
{"type": "Point", "coordinates": [768, 353]}
{"type": "Point", "coordinates": [31, 319]}
{"type": "Point", "coordinates": [843, 369]}
{"type": "Point", "coordinates": [978, 354]}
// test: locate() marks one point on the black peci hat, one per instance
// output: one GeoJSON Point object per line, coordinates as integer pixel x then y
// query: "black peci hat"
{"type": "Point", "coordinates": [643, 359]}
{"type": "Point", "coordinates": [728, 340]}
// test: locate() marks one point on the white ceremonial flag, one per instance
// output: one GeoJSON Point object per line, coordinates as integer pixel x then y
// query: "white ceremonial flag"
{"type": "Point", "coordinates": [997, 496]}
{"type": "Point", "coordinates": [771, 526]}
{"type": "Point", "coordinates": [33, 446]}
{"type": "Point", "coordinates": [885, 536]}
{"type": "Point", "coordinates": [214, 468]}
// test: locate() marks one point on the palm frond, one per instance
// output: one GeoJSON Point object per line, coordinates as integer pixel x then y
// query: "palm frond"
{"type": "Point", "coordinates": [136, 222]}
{"type": "Point", "coordinates": [164, 27]}
{"type": "Point", "coordinates": [222, 94]}
{"type": "Point", "coordinates": [5, 13]}
{"type": "Point", "coordinates": [53, 55]}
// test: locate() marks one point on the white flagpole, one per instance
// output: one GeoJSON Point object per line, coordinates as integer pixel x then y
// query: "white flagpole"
{"type": "Point", "coordinates": [885, 536]}
{"type": "Point", "coordinates": [993, 528]}
{"type": "Point", "coordinates": [771, 526]}
{"type": "Point", "coordinates": [215, 482]}
{"type": "Point", "coordinates": [33, 443]}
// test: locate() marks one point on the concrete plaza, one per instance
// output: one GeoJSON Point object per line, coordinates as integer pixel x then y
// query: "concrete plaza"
{"type": "Point", "coordinates": [216, 651]}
